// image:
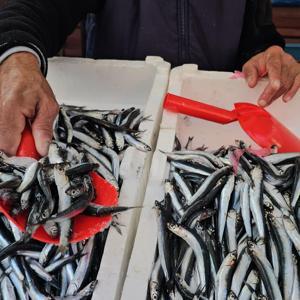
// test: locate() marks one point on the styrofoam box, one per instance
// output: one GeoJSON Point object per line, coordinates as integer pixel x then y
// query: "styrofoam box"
{"type": "Point", "coordinates": [109, 84]}
{"type": "Point", "coordinates": [215, 88]}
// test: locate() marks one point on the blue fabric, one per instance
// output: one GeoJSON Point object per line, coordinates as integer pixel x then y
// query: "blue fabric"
{"type": "Point", "coordinates": [216, 35]}
{"type": "Point", "coordinates": [181, 31]}
{"type": "Point", "coordinates": [294, 49]}
{"type": "Point", "coordinates": [90, 27]}
{"type": "Point", "coordinates": [286, 2]}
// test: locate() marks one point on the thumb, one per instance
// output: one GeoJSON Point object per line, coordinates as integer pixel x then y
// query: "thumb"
{"type": "Point", "coordinates": [42, 125]}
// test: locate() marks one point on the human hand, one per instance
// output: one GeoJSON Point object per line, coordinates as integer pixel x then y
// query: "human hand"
{"type": "Point", "coordinates": [283, 72]}
{"type": "Point", "coordinates": [25, 94]}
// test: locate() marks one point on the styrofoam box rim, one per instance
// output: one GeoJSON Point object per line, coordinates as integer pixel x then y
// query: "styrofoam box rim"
{"type": "Point", "coordinates": [134, 171]}
{"type": "Point", "coordinates": [141, 260]}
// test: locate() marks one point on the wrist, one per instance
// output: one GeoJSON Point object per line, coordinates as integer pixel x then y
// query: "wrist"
{"type": "Point", "coordinates": [24, 58]}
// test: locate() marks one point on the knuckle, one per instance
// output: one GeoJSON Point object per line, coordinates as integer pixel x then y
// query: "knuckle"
{"type": "Point", "coordinates": [274, 88]}
{"type": "Point", "coordinates": [275, 64]}
{"type": "Point", "coordinates": [288, 57]}
{"type": "Point", "coordinates": [28, 111]}
{"type": "Point", "coordinates": [43, 126]}
{"type": "Point", "coordinates": [275, 49]}
{"type": "Point", "coordinates": [247, 67]}
{"type": "Point", "coordinates": [50, 106]}
{"type": "Point", "coordinates": [54, 107]}
{"type": "Point", "coordinates": [9, 126]}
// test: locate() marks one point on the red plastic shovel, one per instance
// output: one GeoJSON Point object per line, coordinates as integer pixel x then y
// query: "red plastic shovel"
{"type": "Point", "coordinates": [83, 226]}
{"type": "Point", "coordinates": [260, 125]}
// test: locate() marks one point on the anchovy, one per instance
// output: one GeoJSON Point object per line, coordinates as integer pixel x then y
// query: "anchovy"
{"type": "Point", "coordinates": [243, 264]}
{"type": "Point", "coordinates": [68, 125]}
{"type": "Point", "coordinates": [136, 143]}
{"type": "Point", "coordinates": [292, 231]}
{"type": "Point", "coordinates": [250, 285]}
{"type": "Point", "coordinates": [198, 247]}
{"type": "Point", "coordinates": [224, 204]}
{"type": "Point", "coordinates": [29, 177]}
{"type": "Point", "coordinates": [256, 201]}
{"type": "Point", "coordinates": [82, 268]}
{"type": "Point", "coordinates": [62, 183]}
{"type": "Point", "coordinates": [59, 263]}
{"type": "Point", "coordinates": [224, 276]}
{"type": "Point", "coordinates": [155, 281]}
{"type": "Point", "coordinates": [7, 289]}
{"type": "Point", "coordinates": [265, 270]}
{"type": "Point", "coordinates": [245, 209]}
{"type": "Point", "coordinates": [296, 185]}
{"type": "Point", "coordinates": [209, 183]}
{"type": "Point", "coordinates": [96, 210]}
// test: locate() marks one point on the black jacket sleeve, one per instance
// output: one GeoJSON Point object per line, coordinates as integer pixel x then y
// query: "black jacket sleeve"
{"type": "Point", "coordinates": [41, 24]}
{"type": "Point", "coordinates": [258, 32]}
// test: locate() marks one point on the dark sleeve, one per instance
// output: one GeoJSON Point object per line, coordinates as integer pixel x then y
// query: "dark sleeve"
{"type": "Point", "coordinates": [259, 32]}
{"type": "Point", "coordinates": [42, 25]}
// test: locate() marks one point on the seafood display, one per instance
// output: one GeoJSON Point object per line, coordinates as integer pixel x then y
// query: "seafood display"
{"type": "Point", "coordinates": [51, 191]}
{"type": "Point", "coordinates": [228, 226]}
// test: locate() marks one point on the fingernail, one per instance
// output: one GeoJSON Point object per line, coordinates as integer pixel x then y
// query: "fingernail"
{"type": "Point", "coordinates": [287, 98]}
{"type": "Point", "coordinates": [262, 102]}
{"type": "Point", "coordinates": [250, 80]}
{"type": "Point", "coordinates": [276, 84]}
{"type": "Point", "coordinates": [42, 143]}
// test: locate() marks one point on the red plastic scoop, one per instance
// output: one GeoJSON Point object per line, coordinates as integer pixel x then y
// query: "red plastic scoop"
{"type": "Point", "coordinates": [260, 125]}
{"type": "Point", "coordinates": [83, 226]}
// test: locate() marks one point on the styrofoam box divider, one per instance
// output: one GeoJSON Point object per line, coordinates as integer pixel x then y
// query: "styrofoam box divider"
{"type": "Point", "coordinates": [211, 87]}
{"type": "Point", "coordinates": [109, 84]}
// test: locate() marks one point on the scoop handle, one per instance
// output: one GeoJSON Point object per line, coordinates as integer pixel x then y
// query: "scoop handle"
{"type": "Point", "coordinates": [199, 110]}
{"type": "Point", "coordinates": [27, 145]}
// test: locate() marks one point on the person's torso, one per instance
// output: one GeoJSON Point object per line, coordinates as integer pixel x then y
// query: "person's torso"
{"type": "Point", "coordinates": [181, 31]}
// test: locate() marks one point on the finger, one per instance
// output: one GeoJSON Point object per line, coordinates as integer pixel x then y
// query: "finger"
{"type": "Point", "coordinates": [286, 83]}
{"type": "Point", "coordinates": [250, 70]}
{"type": "Point", "coordinates": [274, 67]}
{"type": "Point", "coordinates": [262, 68]}
{"type": "Point", "coordinates": [12, 124]}
{"type": "Point", "coordinates": [42, 124]}
{"type": "Point", "coordinates": [294, 89]}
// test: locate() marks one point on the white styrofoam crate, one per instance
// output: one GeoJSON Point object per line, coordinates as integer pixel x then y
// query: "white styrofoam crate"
{"type": "Point", "coordinates": [110, 84]}
{"type": "Point", "coordinates": [214, 88]}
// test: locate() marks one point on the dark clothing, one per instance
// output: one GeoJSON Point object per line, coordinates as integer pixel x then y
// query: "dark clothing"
{"type": "Point", "coordinates": [215, 34]}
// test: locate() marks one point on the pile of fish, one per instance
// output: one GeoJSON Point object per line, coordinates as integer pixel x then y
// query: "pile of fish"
{"type": "Point", "coordinates": [50, 192]}
{"type": "Point", "coordinates": [39, 271]}
{"type": "Point", "coordinates": [228, 227]}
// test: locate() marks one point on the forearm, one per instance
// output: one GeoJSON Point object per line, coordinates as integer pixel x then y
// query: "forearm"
{"type": "Point", "coordinates": [42, 25]}
{"type": "Point", "coordinates": [258, 33]}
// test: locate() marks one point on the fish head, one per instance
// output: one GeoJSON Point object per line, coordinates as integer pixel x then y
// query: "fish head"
{"type": "Point", "coordinates": [231, 296]}
{"type": "Point", "coordinates": [173, 227]}
{"type": "Point", "coordinates": [75, 191]}
{"type": "Point", "coordinates": [251, 246]}
{"type": "Point", "coordinates": [168, 187]}
{"type": "Point", "coordinates": [45, 211]}
{"type": "Point", "coordinates": [154, 290]}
